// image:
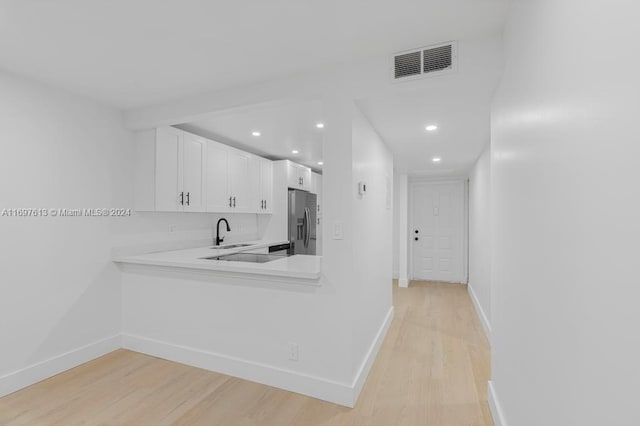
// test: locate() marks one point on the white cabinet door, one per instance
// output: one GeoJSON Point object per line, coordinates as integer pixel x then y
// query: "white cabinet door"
{"type": "Point", "coordinates": [168, 177]}
{"type": "Point", "coordinates": [305, 176]}
{"type": "Point", "coordinates": [293, 175]}
{"type": "Point", "coordinates": [316, 182]}
{"type": "Point", "coordinates": [178, 171]}
{"type": "Point", "coordinates": [239, 165]}
{"type": "Point", "coordinates": [266, 186]}
{"type": "Point", "coordinates": [317, 187]}
{"type": "Point", "coordinates": [437, 234]}
{"type": "Point", "coordinates": [298, 176]}
{"type": "Point", "coordinates": [255, 189]}
{"type": "Point", "coordinates": [193, 171]}
{"type": "Point", "coordinates": [218, 197]}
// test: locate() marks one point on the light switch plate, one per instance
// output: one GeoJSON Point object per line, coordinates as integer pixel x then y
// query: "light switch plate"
{"type": "Point", "coordinates": [337, 231]}
{"type": "Point", "coordinates": [362, 188]}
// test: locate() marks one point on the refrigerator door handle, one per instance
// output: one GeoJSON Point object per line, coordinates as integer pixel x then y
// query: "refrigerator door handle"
{"type": "Point", "coordinates": [304, 228]}
{"type": "Point", "coordinates": [307, 226]}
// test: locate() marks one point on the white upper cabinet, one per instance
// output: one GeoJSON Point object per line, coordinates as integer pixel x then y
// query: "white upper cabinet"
{"type": "Point", "coordinates": [193, 173]}
{"type": "Point", "coordinates": [266, 186]}
{"type": "Point", "coordinates": [168, 193]}
{"type": "Point", "coordinates": [298, 176]}
{"type": "Point", "coordinates": [240, 187]}
{"type": "Point", "coordinates": [317, 189]}
{"type": "Point", "coordinates": [218, 195]}
{"type": "Point", "coordinates": [316, 183]}
{"type": "Point", "coordinates": [177, 171]}
{"type": "Point", "coordinates": [169, 171]}
{"type": "Point", "coordinates": [234, 180]}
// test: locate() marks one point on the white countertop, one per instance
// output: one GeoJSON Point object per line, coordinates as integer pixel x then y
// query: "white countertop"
{"type": "Point", "coordinates": [296, 266]}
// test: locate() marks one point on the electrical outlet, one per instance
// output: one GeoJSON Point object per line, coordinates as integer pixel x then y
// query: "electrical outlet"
{"type": "Point", "coordinates": [293, 351]}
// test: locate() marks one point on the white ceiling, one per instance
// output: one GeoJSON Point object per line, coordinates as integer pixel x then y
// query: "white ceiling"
{"type": "Point", "coordinates": [131, 53]}
{"type": "Point", "coordinates": [458, 103]}
{"type": "Point", "coordinates": [463, 129]}
{"type": "Point", "coordinates": [283, 128]}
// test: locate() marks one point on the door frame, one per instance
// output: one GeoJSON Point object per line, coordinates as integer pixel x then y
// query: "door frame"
{"type": "Point", "coordinates": [464, 221]}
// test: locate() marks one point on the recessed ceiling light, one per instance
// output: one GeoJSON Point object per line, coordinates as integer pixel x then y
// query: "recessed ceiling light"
{"type": "Point", "coordinates": [436, 159]}
{"type": "Point", "coordinates": [431, 127]}
{"type": "Point", "coordinates": [255, 133]}
{"type": "Point", "coordinates": [320, 163]}
{"type": "Point", "coordinates": [320, 125]}
{"type": "Point", "coordinates": [295, 151]}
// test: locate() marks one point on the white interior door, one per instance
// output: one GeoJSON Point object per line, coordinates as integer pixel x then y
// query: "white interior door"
{"type": "Point", "coordinates": [438, 231]}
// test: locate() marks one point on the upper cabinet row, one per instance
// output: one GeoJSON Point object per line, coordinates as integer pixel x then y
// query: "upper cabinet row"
{"type": "Point", "coordinates": [177, 171]}
{"type": "Point", "coordinates": [298, 176]}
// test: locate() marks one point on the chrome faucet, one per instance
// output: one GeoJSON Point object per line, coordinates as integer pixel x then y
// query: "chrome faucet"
{"type": "Point", "coordinates": [218, 239]}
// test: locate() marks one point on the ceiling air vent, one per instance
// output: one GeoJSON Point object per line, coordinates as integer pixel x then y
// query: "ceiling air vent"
{"type": "Point", "coordinates": [425, 61]}
{"type": "Point", "coordinates": [408, 64]}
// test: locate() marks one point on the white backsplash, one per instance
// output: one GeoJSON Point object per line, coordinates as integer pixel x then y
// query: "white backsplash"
{"type": "Point", "coordinates": [147, 232]}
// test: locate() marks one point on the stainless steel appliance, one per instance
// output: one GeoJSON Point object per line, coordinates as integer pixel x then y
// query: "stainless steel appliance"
{"type": "Point", "coordinates": [249, 257]}
{"type": "Point", "coordinates": [302, 222]}
{"type": "Point", "coordinates": [280, 249]}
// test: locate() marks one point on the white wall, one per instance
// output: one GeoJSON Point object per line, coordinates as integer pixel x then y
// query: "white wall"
{"type": "Point", "coordinates": [395, 233]}
{"type": "Point", "coordinates": [64, 293]}
{"type": "Point", "coordinates": [372, 233]}
{"type": "Point", "coordinates": [480, 237]}
{"type": "Point", "coordinates": [247, 322]}
{"type": "Point", "coordinates": [565, 216]}
{"type": "Point", "coordinates": [60, 289]}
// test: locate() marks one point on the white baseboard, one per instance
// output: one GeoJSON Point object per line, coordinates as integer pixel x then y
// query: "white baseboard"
{"type": "Point", "coordinates": [486, 325]}
{"type": "Point", "coordinates": [404, 283]}
{"type": "Point", "coordinates": [495, 407]}
{"type": "Point", "coordinates": [332, 391]}
{"type": "Point", "coordinates": [35, 373]}
{"type": "Point", "coordinates": [367, 363]}
{"type": "Point", "coordinates": [317, 387]}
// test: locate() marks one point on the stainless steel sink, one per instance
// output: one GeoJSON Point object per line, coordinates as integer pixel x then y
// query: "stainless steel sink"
{"type": "Point", "coordinates": [231, 246]}
{"type": "Point", "coordinates": [249, 257]}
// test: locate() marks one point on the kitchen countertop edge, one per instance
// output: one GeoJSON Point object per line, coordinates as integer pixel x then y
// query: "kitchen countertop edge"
{"type": "Point", "coordinates": [191, 257]}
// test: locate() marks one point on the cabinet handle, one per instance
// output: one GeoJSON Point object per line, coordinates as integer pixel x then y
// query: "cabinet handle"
{"type": "Point", "coordinates": [265, 204]}
{"type": "Point", "coordinates": [230, 201]}
{"type": "Point", "coordinates": [234, 202]}
{"type": "Point", "coordinates": [182, 198]}
{"type": "Point", "coordinates": [187, 198]}
{"type": "Point", "coordinates": [262, 204]}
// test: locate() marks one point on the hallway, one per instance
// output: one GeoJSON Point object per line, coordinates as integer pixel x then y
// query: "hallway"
{"type": "Point", "coordinates": [431, 370]}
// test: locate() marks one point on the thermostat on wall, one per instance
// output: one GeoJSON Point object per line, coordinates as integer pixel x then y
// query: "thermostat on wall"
{"type": "Point", "coordinates": [362, 188]}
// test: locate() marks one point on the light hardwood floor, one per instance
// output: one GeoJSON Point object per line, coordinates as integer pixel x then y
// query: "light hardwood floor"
{"type": "Point", "coordinates": [431, 370]}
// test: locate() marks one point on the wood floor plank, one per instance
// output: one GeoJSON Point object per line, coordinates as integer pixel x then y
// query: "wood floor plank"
{"type": "Point", "coordinates": [432, 369]}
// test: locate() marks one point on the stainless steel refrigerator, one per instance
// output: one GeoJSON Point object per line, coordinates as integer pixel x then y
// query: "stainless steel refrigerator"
{"type": "Point", "coordinates": [302, 222]}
